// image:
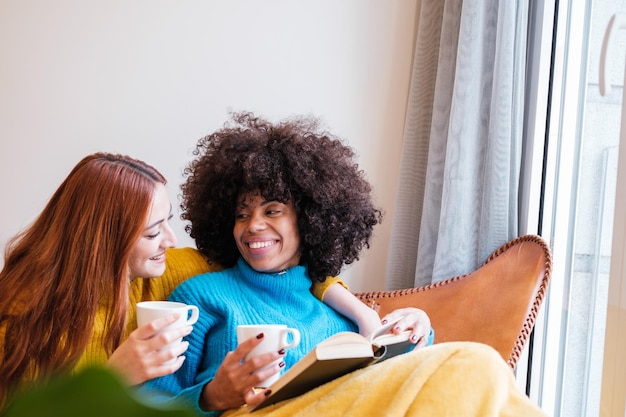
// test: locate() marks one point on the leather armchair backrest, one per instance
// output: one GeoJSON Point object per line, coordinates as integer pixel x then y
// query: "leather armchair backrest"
{"type": "Point", "coordinates": [497, 304]}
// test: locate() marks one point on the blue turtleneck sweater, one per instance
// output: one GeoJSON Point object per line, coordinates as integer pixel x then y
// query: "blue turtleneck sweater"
{"type": "Point", "coordinates": [240, 295]}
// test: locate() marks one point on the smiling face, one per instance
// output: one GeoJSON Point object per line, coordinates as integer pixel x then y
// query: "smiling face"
{"type": "Point", "coordinates": [266, 233]}
{"type": "Point", "coordinates": [147, 259]}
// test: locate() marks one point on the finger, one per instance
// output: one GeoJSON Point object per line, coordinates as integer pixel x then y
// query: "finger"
{"type": "Point", "coordinates": [419, 335]}
{"type": "Point", "coordinates": [161, 340]}
{"type": "Point", "coordinates": [410, 317]}
{"type": "Point", "coordinates": [424, 340]}
{"type": "Point", "coordinates": [168, 356]}
{"type": "Point", "coordinates": [232, 360]}
{"type": "Point", "coordinates": [178, 349]}
{"type": "Point", "coordinates": [391, 317]}
{"type": "Point", "coordinates": [150, 329]}
{"type": "Point", "coordinates": [166, 368]}
{"type": "Point", "coordinates": [257, 378]}
{"type": "Point", "coordinates": [256, 364]}
{"type": "Point", "coordinates": [403, 324]}
{"type": "Point", "coordinates": [247, 345]}
{"type": "Point", "coordinates": [253, 398]}
{"type": "Point", "coordinates": [177, 333]}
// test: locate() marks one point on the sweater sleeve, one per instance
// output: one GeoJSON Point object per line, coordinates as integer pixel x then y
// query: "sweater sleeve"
{"type": "Point", "coordinates": [186, 384]}
{"type": "Point", "coordinates": [319, 288]}
{"type": "Point", "coordinates": [187, 396]}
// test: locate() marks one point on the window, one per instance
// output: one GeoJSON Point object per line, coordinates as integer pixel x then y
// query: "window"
{"type": "Point", "coordinates": [579, 183]}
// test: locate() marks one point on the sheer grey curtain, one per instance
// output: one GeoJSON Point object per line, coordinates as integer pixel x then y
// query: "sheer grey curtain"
{"type": "Point", "coordinates": [459, 176]}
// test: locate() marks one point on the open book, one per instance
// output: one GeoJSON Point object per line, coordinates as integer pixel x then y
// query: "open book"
{"type": "Point", "coordinates": [336, 356]}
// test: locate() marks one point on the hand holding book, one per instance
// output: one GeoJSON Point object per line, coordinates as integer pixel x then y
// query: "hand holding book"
{"type": "Point", "coordinates": [412, 320]}
{"type": "Point", "coordinates": [338, 355]}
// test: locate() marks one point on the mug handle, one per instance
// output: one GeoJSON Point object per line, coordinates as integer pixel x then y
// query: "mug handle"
{"type": "Point", "coordinates": [295, 334]}
{"type": "Point", "coordinates": [195, 313]}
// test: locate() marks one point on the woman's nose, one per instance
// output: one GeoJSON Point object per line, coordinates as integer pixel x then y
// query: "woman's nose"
{"type": "Point", "coordinates": [170, 240]}
{"type": "Point", "coordinates": [257, 223]}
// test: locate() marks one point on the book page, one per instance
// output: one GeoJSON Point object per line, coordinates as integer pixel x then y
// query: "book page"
{"type": "Point", "coordinates": [382, 337]}
{"type": "Point", "coordinates": [389, 339]}
{"type": "Point", "coordinates": [344, 345]}
{"type": "Point", "coordinates": [390, 344]}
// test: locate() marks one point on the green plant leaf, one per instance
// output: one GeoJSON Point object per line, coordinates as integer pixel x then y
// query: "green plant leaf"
{"type": "Point", "coordinates": [93, 392]}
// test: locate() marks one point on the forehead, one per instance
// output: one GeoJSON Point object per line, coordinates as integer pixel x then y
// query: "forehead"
{"type": "Point", "coordinates": [248, 198]}
{"type": "Point", "coordinates": [254, 199]}
{"type": "Point", "coordinates": [160, 206]}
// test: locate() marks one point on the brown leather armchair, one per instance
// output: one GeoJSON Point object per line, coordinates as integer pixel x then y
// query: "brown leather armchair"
{"type": "Point", "coordinates": [497, 304]}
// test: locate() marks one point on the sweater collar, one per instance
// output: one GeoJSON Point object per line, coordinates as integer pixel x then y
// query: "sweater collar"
{"type": "Point", "coordinates": [290, 279]}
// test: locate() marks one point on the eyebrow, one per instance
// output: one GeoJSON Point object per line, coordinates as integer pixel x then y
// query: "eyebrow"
{"type": "Point", "coordinates": [158, 221]}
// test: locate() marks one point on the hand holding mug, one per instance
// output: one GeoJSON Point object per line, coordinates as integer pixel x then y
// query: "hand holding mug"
{"type": "Point", "coordinates": [235, 380]}
{"type": "Point", "coordinates": [276, 337]}
{"type": "Point", "coordinates": [141, 356]}
{"type": "Point", "coordinates": [148, 311]}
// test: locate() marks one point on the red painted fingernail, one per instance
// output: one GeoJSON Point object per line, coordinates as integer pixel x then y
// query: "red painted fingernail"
{"type": "Point", "coordinates": [282, 364]}
{"type": "Point", "coordinates": [260, 336]}
{"type": "Point", "coordinates": [384, 322]}
{"type": "Point", "coordinates": [268, 392]}
{"type": "Point", "coordinates": [281, 352]}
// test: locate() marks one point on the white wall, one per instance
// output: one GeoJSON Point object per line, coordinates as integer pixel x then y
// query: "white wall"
{"type": "Point", "coordinates": [150, 77]}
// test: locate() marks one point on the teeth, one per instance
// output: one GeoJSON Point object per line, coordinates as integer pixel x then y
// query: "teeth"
{"type": "Point", "coordinates": [259, 245]}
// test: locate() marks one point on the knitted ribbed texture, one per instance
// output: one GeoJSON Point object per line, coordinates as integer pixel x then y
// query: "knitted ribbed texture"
{"type": "Point", "coordinates": [240, 295]}
{"type": "Point", "coordinates": [181, 264]}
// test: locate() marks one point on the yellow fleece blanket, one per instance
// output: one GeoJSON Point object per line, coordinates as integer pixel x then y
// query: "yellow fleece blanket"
{"type": "Point", "coordinates": [448, 379]}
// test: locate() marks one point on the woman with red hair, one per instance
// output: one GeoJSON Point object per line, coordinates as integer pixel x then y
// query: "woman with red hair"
{"type": "Point", "coordinates": [65, 280]}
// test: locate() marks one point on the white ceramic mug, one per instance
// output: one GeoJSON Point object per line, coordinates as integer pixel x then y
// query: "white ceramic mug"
{"type": "Point", "coordinates": [276, 337]}
{"type": "Point", "coordinates": [148, 311]}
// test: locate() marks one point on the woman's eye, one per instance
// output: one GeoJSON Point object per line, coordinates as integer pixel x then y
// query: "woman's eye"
{"type": "Point", "coordinates": [154, 236]}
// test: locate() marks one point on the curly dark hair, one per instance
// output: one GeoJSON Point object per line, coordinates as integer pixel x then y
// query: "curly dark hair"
{"type": "Point", "coordinates": [288, 161]}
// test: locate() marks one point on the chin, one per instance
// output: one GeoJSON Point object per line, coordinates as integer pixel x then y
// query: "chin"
{"type": "Point", "coordinates": [154, 272]}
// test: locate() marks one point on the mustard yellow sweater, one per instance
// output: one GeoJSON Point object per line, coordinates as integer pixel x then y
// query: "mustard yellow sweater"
{"type": "Point", "coordinates": [181, 264]}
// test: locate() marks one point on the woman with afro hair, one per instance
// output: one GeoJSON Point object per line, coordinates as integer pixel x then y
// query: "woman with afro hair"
{"type": "Point", "coordinates": [282, 206]}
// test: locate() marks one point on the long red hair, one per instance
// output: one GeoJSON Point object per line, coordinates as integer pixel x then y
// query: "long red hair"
{"type": "Point", "coordinates": [73, 257]}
